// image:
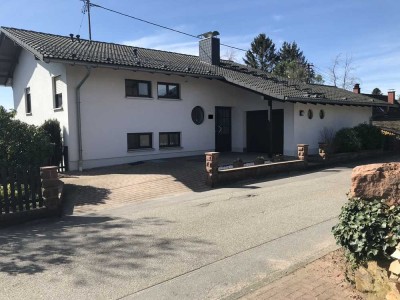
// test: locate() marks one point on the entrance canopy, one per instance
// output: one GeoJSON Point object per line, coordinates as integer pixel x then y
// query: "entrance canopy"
{"type": "Point", "coordinates": [9, 52]}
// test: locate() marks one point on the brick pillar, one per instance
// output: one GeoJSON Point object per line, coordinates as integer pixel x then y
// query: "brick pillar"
{"type": "Point", "coordinates": [50, 187]}
{"type": "Point", "coordinates": [323, 150]}
{"type": "Point", "coordinates": [212, 160]}
{"type": "Point", "coordinates": [302, 152]}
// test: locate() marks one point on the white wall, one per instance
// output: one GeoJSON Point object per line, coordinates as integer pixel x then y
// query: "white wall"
{"type": "Point", "coordinates": [307, 131]}
{"type": "Point", "coordinates": [38, 76]}
{"type": "Point", "coordinates": [107, 115]}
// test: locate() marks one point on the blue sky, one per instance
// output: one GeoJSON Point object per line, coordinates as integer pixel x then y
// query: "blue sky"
{"type": "Point", "coordinates": [366, 30]}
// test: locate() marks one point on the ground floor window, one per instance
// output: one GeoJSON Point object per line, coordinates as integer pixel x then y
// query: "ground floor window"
{"type": "Point", "coordinates": [140, 140]}
{"type": "Point", "coordinates": [170, 139]}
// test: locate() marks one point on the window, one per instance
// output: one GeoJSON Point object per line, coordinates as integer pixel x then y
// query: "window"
{"type": "Point", "coordinates": [321, 114]}
{"type": "Point", "coordinates": [140, 140]}
{"type": "Point", "coordinates": [197, 115]}
{"type": "Point", "coordinates": [57, 92]}
{"type": "Point", "coordinates": [168, 90]}
{"type": "Point", "coordinates": [28, 102]}
{"type": "Point", "coordinates": [170, 139]}
{"type": "Point", "coordinates": [310, 114]}
{"type": "Point", "coordinates": [137, 88]}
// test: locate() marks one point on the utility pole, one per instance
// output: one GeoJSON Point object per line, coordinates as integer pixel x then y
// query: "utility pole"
{"type": "Point", "coordinates": [309, 69]}
{"type": "Point", "coordinates": [90, 26]}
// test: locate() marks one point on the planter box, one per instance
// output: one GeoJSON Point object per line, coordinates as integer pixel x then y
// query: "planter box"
{"type": "Point", "coordinates": [257, 171]}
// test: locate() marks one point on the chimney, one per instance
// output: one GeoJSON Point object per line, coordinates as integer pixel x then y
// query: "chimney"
{"type": "Point", "coordinates": [357, 89]}
{"type": "Point", "coordinates": [209, 51]}
{"type": "Point", "coordinates": [391, 97]}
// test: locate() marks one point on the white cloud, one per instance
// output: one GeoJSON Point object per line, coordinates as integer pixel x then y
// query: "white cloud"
{"type": "Point", "coordinates": [277, 17]}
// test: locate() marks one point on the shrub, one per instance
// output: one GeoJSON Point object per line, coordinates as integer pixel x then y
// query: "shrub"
{"type": "Point", "coordinates": [367, 230]}
{"type": "Point", "coordinates": [53, 130]}
{"type": "Point", "coordinates": [347, 140]}
{"type": "Point", "coordinates": [20, 143]}
{"type": "Point", "coordinates": [371, 137]}
{"type": "Point", "coordinates": [327, 136]}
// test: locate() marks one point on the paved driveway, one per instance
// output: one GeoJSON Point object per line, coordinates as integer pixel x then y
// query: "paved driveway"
{"type": "Point", "coordinates": [105, 188]}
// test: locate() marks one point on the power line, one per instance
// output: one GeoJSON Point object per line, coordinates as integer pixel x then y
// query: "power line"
{"type": "Point", "coordinates": [83, 15]}
{"type": "Point", "coordinates": [158, 25]}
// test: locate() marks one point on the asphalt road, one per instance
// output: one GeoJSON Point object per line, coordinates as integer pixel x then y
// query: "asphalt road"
{"type": "Point", "coordinates": [208, 245]}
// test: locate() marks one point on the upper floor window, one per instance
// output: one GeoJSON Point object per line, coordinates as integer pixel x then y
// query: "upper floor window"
{"type": "Point", "coordinates": [137, 88]}
{"type": "Point", "coordinates": [57, 92]}
{"type": "Point", "coordinates": [28, 101]}
{"type": "Point", "coordinates": [168, 90]}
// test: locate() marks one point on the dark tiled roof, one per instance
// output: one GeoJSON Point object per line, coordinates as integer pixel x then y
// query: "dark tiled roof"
{"type": "Point", "coordinates": [49, 47]}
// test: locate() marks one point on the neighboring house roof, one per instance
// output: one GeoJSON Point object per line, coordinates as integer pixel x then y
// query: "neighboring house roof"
{"type": "Point", "coordinates": [56, 48]}
{"type": "Point", "coordinates": [390, 125]}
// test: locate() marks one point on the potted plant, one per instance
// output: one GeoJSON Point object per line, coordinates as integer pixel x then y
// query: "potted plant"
{"type": "Point", "coordinates": [238, 163]}
{"type": "Point", "coordinates": [259, 160]}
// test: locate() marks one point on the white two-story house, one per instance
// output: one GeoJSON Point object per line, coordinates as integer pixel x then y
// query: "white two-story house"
{"type": "Point", "coordinates": [120, 104]}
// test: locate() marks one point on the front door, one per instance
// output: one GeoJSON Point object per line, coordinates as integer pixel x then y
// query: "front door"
{"type": "Point", "coordinates": [257, 131]}
{"type": "Point", "coordinates": [223, 132]}
{"type": "Point", "coordinates": [277, 131]}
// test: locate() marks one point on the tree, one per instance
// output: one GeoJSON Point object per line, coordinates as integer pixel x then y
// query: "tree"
{"type": "Point", "coordinates": [262, 54]}
{"type": "Point", "coordinates": [294, 65]}
{"type": "Point", "coordinates": [230, 54]}
{"type": "Point", "coordinates": [342, 72]}
{"type": "Point", "coordinates": [377, 92]}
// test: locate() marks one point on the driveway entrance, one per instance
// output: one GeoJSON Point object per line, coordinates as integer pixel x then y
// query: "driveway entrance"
{"type": "Point", "coordinates": [109, 187]}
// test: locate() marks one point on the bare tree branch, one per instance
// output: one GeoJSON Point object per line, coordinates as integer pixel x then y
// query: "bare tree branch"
{"type": "Point", "coordinates": [342, 72]}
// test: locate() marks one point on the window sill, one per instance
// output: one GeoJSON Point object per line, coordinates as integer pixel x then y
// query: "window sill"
{"type": "Point", "coordinates": [29, 114]}
{"type": "Point", "coordinates": [58, 109]}
{"type": "Point", "coordinates": [170, 148]}
{"type": "Point", "coordinates": [169, 99]}
{"type": "Point", "coordinates": [139, 98]}
{"type": "Point", "coordinates": [140, 150]}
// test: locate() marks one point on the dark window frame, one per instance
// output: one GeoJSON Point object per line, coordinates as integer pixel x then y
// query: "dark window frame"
{"type": "Point", "coordinates": [170, 145]}
{"type": "Point", "coordinates": [138, 134]}
{"type": "Point", "coordinates": [167, 84]}
{"type": "Point", "coordinates": [137, 82]}
{"type": "Point", "coordinates": [58, 101]}
{"type": "Point", "coordinates": [28, 101]}
{"type": "Point", "coordinates": [58, 98]}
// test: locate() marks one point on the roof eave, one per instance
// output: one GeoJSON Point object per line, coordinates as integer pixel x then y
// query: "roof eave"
{"type": "Point", "coordinates": [337, 102]}
{"type": "Point", "coordinates": [129, 68]}
{"type": "Point", "coordinates": [22, 44]}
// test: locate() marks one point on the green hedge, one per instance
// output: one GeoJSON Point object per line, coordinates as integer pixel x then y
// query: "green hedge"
{"type": "Point", "coordinates": [20, 143]}
{"type": "Point", "coordinates": [360, 137]}
{"type": "Point", "coordinates": [53, 130]}
{"type": "Point", "coordinates": [347, 140]}
{"type": "Point", "coordinates": [371, 137]}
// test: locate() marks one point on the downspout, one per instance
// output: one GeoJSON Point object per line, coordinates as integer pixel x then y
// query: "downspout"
{"type": "Point", "coordinates": [78, 118]}
{"type": "Point", "coordinates": [270, 129]}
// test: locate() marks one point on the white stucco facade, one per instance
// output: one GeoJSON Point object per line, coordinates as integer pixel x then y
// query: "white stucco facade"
{"type": "Point", "coordinates": [107, 115]}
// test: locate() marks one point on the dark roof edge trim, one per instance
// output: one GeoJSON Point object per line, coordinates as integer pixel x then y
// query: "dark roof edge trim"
{"type": "Point", "coordinates": [338, 102]}
{"type": "Point", "coordinates": [127, 68]}
{"type": "Point", "coordinates": [21, 44]}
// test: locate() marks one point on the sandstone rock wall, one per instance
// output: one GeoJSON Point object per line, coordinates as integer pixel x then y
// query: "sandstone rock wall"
{"type": "Point", "coordinates": [374, 181]}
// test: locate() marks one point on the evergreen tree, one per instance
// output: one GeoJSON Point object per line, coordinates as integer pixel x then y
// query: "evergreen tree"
{"type": "Point", "coordinates": [262, 54]}
{"type": "Point", "coordinates": [376, 91]}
